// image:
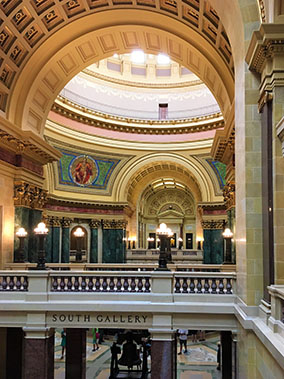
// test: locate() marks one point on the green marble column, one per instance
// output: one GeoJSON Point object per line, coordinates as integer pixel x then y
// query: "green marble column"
{"type": "Point", "coordinates": [65, 251]}
{"type": "Point", "coordinates": [35, 217]}
{"type": "Point", "coordinates": [213, 246]}
{"type": "Point", "coordinates": [48, 244]}
{"type": "Point", "coordinates": [94, 225]}
{"type": "Point", "coordinates": [22, 215]}
{"type": "Point", "coordinates": [113, 245]}
{"type": "Point", "coordinates": [55, 243]}
{"type": "Point", "coordinates": [231, 216]}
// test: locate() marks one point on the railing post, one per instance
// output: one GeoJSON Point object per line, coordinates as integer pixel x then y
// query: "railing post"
{"type": "Point", "coordinates": [162, 286]}
{"type": "Point", "coordinates": [38, 286]}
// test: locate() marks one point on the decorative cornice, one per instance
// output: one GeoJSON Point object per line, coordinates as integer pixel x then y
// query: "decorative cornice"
{"type": "Point", "coordinates": [265, 43]}
{"type": "Point", "coordinates": [213, 224]}
{"type": "Point", "coordinates": [29, 195]}
{"type": "Point", "coordinates": [229, 195]}
{"type": "Point", "coordinates": [27, 144]}
{"type": "Point", "coordinates": [129, 83]}
{"type": "Point", "coordinates": [223, 146]}
{"type": "Point", "coordinates": [119, 124]}
{"type": "Point", "coordinates": [114, 224]}
{"type": "Point", "coordinates": [54, 202]}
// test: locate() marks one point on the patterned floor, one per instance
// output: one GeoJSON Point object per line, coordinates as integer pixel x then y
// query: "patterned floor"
{"type": "Point", "coordinates": [200, 361]}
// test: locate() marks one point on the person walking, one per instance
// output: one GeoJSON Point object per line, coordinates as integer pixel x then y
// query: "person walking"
{"type": "Point", "coordinates": [182, 340]}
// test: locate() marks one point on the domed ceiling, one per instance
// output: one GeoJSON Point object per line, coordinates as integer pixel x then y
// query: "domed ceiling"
{"type": "Point", "coordinates": [140, 93]}
{"type": "Point", "coordinates": [141, 86]}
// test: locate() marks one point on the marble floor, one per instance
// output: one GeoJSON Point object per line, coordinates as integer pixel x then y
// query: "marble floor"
{"type": "Point", "coordinates": [200, 361]}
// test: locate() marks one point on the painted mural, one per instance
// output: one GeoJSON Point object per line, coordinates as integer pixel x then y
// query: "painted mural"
{"type": "Point", "coordinates": [85, 170]}
{"type": "Point", "coordinates": [219, 169]}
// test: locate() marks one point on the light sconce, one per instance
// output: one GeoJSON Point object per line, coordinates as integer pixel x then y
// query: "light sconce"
{"type": "Point", "coordinates": [41, 231]}
{"type": "Point", "coordinates": [79, 234]}
{"type": "Point", "coordinates": [20, 256]}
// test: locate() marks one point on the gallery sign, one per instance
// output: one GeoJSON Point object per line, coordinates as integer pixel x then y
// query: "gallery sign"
{"type": "Point", "coordinates": [101, 319]}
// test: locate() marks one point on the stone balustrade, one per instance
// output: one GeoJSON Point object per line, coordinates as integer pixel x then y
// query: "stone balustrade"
{"type": "Point", "coordinates": [276, 319]}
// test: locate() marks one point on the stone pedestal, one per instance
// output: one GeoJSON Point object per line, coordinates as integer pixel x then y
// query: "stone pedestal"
{"type": "Point", "coordinates": [75, 354]}
{"type": "Point", "coordinates": [163, 357]}
{"type": "Point", "coordinates": [38, 355]}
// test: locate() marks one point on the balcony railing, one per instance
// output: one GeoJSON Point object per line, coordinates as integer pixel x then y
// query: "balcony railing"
{"type": "Point", "coordinates": [202, 283]}
{"type": "Point", "coordinates": [184, 267]}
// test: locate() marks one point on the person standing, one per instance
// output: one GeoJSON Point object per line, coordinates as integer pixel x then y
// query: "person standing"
{"type": "Point", "coordinates": [96, 336]}
{"type": "Point", "coordinates": [182, 340]}
{"type": "Point", "coordinates": [63, 342]}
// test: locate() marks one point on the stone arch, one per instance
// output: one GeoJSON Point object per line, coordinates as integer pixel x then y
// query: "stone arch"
{"type": "Point", "coordinates": [147, 168]}
{"type": "Point", "coordinates": [53, 64]}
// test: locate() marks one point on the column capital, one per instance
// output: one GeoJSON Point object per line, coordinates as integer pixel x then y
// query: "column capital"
{"type": "Point", "coordinates": [229, 195]}
{"type": "Point", "coordinates": [66, 222]}
{"type": "Point", "coordinates": [29, 195]}
{"type": "Point", "coordinates": [94, 224]}
{"type": "Point", "coordinates": [114, 224]}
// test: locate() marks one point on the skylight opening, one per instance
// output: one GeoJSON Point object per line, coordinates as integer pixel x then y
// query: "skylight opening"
{"type": "Point", "coordinates": [163, 59]}
{"type": "Point", "coordinates": [137, 56]}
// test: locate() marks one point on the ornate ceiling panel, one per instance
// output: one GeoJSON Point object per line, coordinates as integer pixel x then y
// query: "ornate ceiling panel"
{"type": "Point", "coordinates": [24, 26]}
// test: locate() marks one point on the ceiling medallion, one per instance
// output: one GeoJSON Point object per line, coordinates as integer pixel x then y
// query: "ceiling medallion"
{"type": "Point", "coordinates": [83, 170]}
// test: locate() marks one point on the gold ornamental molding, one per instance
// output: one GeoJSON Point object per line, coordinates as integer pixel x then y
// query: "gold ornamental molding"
{"type": "Point", "coordinates": [80, 114]}
{"type": "Point", "coordinates": [213, 224]}
{"type": "Point", "coordinates": [66, 222]}
{"type": "Point", "coordinates": [114, 224]}
{"type": "Point", "coordinates": [262, 11]}
{"type": "Point", "coordinates": [94, 224]}
{"type": "Point", "coordinates": [229, 195]}
{"type": "Point", "coordinates": [29, 195]}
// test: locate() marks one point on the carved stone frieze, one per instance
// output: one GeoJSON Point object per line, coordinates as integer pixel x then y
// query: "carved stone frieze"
{"type": "Point", "coordinates": [94, 224]}
{"type": "Point", "coordinates": [193, 125]}
{"type": "Point", "coordinates": [229, 195]}
{"type": "Point", "coordinates": [29, 195]}
{"type": "Point", "coordinates": [213, 224]}
{"type": "Point", "coordinates": [66, 222]}
{"type": "Point", "coordinates": [114, 224]}
{"type": "Point", "coordinates": [53, 221]}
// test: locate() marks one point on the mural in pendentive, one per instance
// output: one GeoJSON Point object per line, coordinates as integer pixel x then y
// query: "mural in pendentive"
{"type": "Point", "coordinates": [85, 170]}
{"type": "Point", "coordinates": [219, 169]}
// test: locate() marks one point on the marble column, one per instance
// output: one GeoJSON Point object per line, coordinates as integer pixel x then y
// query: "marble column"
{"type": "Point", "coordinates": [65, 245]}
{"type": "Point", "coordinates": [35, 217]}
{"type": "Point", "coordinates": [22, 215]}
{"type": "Point", "coordinates": [213, 245]}
{"type": "Point", "coordinates": [267, 198]}
{"type": "Point", "coordinates": [112, 242]}
{"type": "Point", "coordinates": [226, 352]}
{"type": "Point", "coordinates": [48, 240]}
{"type": "Point", "coordinates": [75, 354]}
{"type": "Point", "coordinates": [163, 356]}
{"type": "Point", "coordinates": [56, 240]}
{"type": "Point", "coordinates": [14, 353]}
{"type": "Point", "coordinates": [38, 355]}
{"type": "Point", "coordinates": [100, 244]}
{"type": "Point", "coordinates": [94, 225]}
